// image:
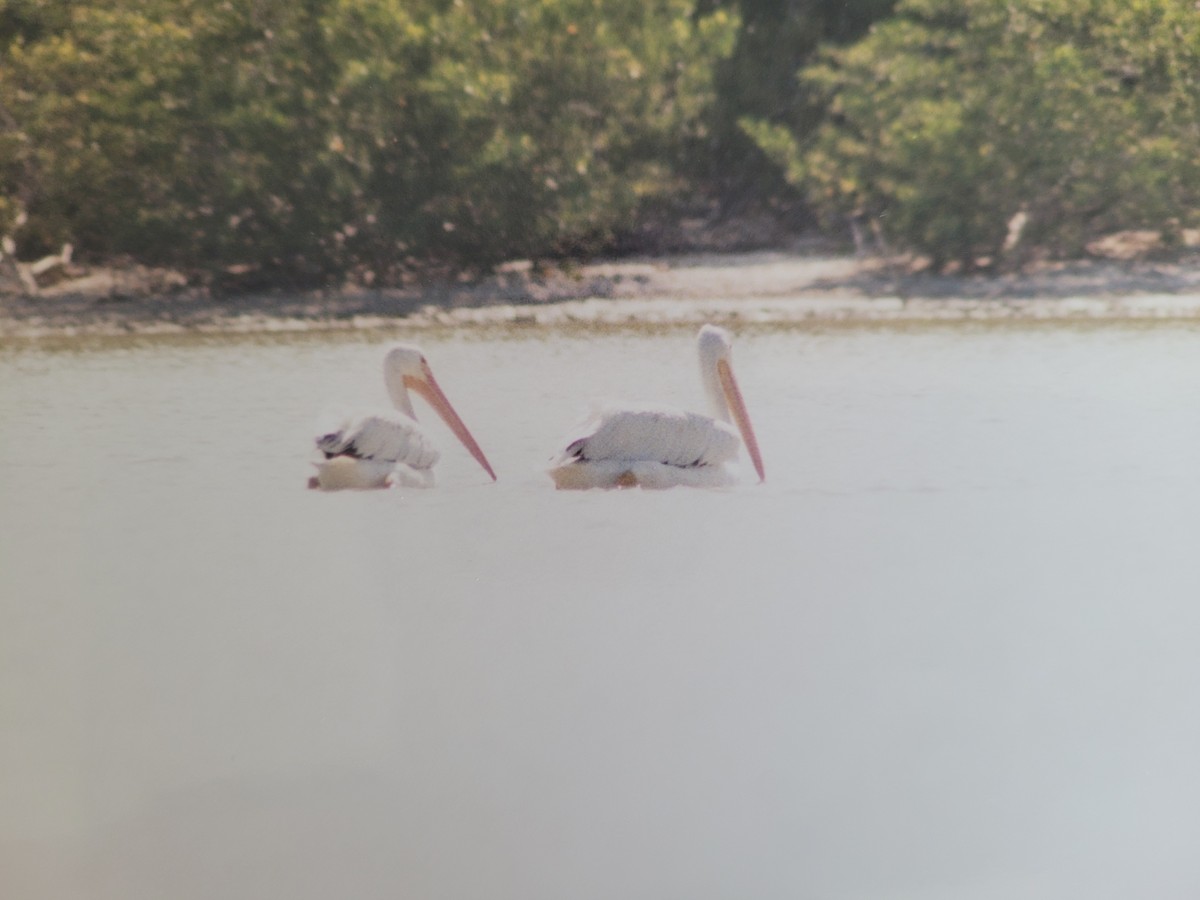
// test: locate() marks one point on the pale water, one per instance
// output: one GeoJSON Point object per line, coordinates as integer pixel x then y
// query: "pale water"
{"type": "Point", "coordinates": [948, 650]}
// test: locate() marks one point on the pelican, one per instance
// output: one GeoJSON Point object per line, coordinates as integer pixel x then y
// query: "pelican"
{"type": "Point", "coordinates": [382, 449]}
{"type": "Point", "coordinates": [656, 447]}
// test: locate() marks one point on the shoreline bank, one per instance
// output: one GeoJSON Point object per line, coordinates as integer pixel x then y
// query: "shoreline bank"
{"type": "Point", "coordinates": [760, 288]}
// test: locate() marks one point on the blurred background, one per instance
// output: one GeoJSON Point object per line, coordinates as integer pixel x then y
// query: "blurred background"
{"type": "Point", "coordinates": [264, 142]}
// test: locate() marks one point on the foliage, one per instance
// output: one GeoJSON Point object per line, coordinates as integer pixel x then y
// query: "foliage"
{"type": "Point", "coordinates": [757, 82]}
{"type": "Point", "coordinates": [954, 116]}
{"type": "Point", "coordinates": [184, 133]}
{"type": "Point", "coordinates": [316, 138]}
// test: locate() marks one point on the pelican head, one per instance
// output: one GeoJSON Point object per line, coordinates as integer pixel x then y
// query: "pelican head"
{"type": "Point", "coordinates": [716, 369]}
{"type": "Point", "coordinates": [405, 368]}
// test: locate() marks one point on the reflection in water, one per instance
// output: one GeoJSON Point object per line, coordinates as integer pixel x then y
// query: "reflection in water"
{"type": "Point", "coordinates": [947, 650]}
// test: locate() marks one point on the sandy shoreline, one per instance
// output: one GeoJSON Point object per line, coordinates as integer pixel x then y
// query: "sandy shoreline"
{"type": "Point", "coordinates": [755, 288]}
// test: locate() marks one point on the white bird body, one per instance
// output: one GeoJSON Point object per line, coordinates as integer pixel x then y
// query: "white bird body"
{"type": "Point", "coordinates": [651, 446]}
{"type": "Point", "coordinates": [376, 449]}
{"type": "Point", "coordinates": [658, 447]}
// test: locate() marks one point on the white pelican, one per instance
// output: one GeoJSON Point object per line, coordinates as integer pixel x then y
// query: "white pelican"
{"type": "Point", "coordinates": [655, 447]}
{"type": "Point", "coordinates": [379, 449]}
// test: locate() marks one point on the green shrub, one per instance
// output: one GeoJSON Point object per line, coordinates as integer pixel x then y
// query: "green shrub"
{"type": "Point", "coordinates": [516, 128]}
{"type": "Point", "coordinates": [758, 81]}
{"type": "Point", "coordinates": [951, 118]}
{"type": "Point", "coordinates": [318, 138]}
{"type": "Point", "coordinates": [190, 134]}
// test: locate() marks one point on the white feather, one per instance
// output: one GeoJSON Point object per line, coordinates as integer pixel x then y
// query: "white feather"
{"type": "Point", "coordinates": [374, 449]}
{"type": "Point", "coordinates": [654, 434]}
{"type": "Point", "coordinates": [387, 436]}
{"type": "Point", "coordinates": [650, 446]}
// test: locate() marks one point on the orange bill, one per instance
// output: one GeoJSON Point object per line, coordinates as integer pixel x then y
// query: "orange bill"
{"type": "Point", "coordinates": [427, 387]}
{"type": "Point", "coordinates": [741, 418]}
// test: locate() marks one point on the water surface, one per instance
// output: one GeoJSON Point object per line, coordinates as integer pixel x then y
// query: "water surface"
{"type": "Point", "coordinates": [948, 650]}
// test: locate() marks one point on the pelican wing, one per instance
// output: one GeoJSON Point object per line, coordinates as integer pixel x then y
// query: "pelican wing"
{"type": "Point", "coordinates": [382, 437]}
{"type": "Point", "coordinates": [649, 434]}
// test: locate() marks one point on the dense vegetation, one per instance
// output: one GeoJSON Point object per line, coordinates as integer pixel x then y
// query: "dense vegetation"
{"type": "Point", "coordinates": [311, 140]}
{"type": "Point", "coordinates": [994, 130]}
{"type": "Point", "coordinates": [313, 137]}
